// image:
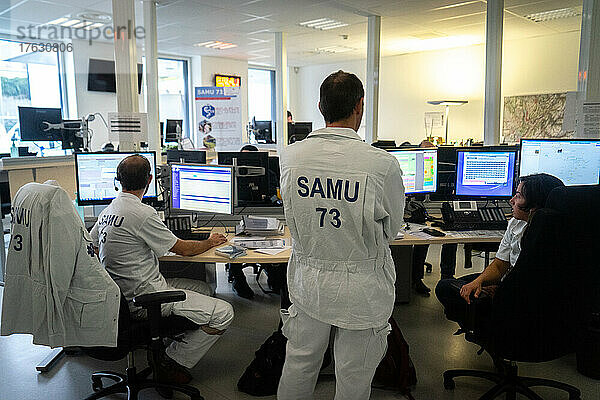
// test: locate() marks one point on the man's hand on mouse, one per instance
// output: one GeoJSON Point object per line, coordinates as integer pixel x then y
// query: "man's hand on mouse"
{"type": "Point", "coordinates": [216, 239]}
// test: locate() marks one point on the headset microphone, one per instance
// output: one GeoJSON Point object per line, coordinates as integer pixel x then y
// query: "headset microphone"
{"type": "Point", "coordinates": [115, 183]}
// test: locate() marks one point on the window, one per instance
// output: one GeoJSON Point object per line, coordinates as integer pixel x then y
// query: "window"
{"type": "Point", "coordinates": [261, 95]}
{"type": "Point", "coordinates": [27, 78]}
{"type": "Point", "coordinates": [173, 100]}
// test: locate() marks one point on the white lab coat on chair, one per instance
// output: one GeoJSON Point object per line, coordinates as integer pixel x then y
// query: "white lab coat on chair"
{"type": "Point", "coordinates": [56, 288]}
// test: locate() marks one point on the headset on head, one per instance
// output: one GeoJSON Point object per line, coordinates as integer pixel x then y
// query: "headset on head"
{"type": "Point", "coordinates": [118, 177]}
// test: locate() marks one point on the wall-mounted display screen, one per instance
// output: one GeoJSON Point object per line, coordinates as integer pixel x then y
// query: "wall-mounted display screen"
{"type": "Point", "coordinates": [227, 80]}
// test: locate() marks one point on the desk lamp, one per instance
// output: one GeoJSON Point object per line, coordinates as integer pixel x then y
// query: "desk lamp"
{"type": "Point", "coordinates": [447, 104]}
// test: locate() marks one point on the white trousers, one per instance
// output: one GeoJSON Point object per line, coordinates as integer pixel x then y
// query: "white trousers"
{"type": "Point", "coordinates": [357, 354]}
{"type": "Point", "coordinates": [201, 309]}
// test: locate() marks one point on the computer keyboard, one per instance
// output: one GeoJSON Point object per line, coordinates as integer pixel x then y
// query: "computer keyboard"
{"type": "Point", "coordinates": [190, 235]}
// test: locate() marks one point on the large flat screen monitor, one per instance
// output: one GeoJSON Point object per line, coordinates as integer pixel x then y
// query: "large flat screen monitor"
{"type": "Point", "coordinates": [204, 188]}
{"type": "Point", "coordinates": [298, 131]}
{"type": "Point", "coordinates": [33, 124]}
{"type": "Point", "coordinates": [186, 156]}
{"type": "Point", "coordinates": [574, 161]}
{"type": "Point", "coordinates": [251, 190]}
{"type": "Point", "coordinates": [96, 172]}
{"type": "Point", "coordinates": [485, 173]}
{"type": "Point", "coordinates": [447, 160]}
{"type": "Point", "coordinates": [419, 169]}
{"type": "Point", "coordinates": [102, 76]}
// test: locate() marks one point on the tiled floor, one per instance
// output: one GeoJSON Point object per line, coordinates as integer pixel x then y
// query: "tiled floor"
{"type": "Point", "coordinates": [432, 347]}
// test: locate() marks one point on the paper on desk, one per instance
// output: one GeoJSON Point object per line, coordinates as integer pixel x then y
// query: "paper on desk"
{"type": "Point", "coordinates": [272, 252]}
{"type": "Point", "coordinates": [400, 235]}
{"type": "Point", "coordinates": [250, 237]}
{"type": "Point", "coordinates": [422, 235]}
{"type": "Point", "coordinates": [478, 233]}
{"type": "Point", "coordinates": [412, 228]}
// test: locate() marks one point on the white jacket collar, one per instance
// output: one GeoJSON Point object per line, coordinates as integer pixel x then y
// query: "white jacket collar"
{"type": "Point", "coordinates": [344, 132]}
{"type": "Point", "coordinates": [128, 196]}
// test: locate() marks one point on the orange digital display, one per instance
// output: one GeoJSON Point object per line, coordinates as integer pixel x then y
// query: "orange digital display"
{"type": "Point", "coordinates": [228, 81]}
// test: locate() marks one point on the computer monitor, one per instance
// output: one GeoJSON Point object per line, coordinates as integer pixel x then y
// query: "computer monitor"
{"type": "Point", "coordinates": [174, 128]}
{"type": "Point", "coordinates": [96, 174]}
{"type": "Point", "coordinates": [419, 169]}
{"type": "Point", "coordinates": [205, 188]}
{"type": "Point", "coordinates": [447, 160]}
{"type": "Point", "coordinates": [251, 190]}
{"type": "Point", "coordinates": [298, 131]}
{"type": "Point", "coordinates": [102, 76]}
{"type": "Point", "coordinates": [33, 124]}
{"type": "Point", "coordinates": [264, 131]}
{"type": "Point", "coordinates": [574, 161]}
{"type": "Point", "coordinates": [484, 173]}
{"type": "Point", "coordinates": [186, 156]}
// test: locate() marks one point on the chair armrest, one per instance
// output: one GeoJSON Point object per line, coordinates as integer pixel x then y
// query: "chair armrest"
{"type": "Point", "coordinates": [158, 298]}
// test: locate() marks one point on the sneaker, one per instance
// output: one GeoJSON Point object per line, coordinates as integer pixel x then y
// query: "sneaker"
{"type": "Point", "coordinates": [240, 286]}
{"type": "Point", "coordinates": [421, 288]}
{"type": "Point", "coordinates": [168, 370]}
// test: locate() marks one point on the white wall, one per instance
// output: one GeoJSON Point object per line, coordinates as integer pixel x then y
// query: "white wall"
{"type": "Point", "coordinates": [538, 65]}
{"type": "Point", "coordinates": [92, 102]}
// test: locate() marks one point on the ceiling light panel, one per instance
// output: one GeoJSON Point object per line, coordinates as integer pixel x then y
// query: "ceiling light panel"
{"type": "Point", "coordinates": [71, 22]}
{"type": "Point", "coordinates": [554, 14]}
{"type": "Point", "coordinates": [323, 24]}
{"type": "Point", "coordinates": [334, 49]}
{"type": "Point", "coordinates": [216, 44]}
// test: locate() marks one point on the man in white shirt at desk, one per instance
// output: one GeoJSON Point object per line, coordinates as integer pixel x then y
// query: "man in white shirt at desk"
{"type": "Point", "coordinates": [131, 237]}
{"type": "Point", "coordinates": [531, 195]}
{"type": "Point", "coordinates": [344, 202]}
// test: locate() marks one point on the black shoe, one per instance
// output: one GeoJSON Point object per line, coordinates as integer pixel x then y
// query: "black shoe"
{"type": "Point", "coordinates": [274, 277]}
{"type": "Point", "coordinates": [167, 370]}
{"type": "Point", "coordinates": [428, 267]}
{"type": "Point", "coordinates": [421, 288]}
{"type": "Point", "coordinates": [240, 286]}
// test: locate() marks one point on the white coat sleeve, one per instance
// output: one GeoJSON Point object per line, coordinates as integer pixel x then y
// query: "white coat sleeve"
{"type": "Point", "coordinates": [393, 201]}
{"type": "Point", "coordinates": [94, 234]}
{"type": "Point", "coordinates": [63, 238]}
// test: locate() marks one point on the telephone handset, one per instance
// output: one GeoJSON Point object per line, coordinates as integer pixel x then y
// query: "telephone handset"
{"type": "Point", "coordinates": [417, 212]}
{"type": "Point", "coordinates": [464, 215]}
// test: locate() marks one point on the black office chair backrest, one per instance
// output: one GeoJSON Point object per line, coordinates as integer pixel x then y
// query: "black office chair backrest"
{"type": "Point", "coordinates": [532, 314]}
{"type": "Point", "coordinates": [581, 205]}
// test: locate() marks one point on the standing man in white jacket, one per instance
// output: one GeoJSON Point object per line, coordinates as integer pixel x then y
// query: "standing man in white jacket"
{"type": "Point", "coordinates": [344, 203]}
{"type": "Point", "coordinates": [131, 237]}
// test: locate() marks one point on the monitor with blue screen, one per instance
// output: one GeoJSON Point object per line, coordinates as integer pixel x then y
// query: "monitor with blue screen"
{"type": "Point", "coordinates": [574, 161]}
{"type": "Point", "coordinates": [204, 188]}
{"type": "Point", "coordinates": [95, 174]}
{"type": "Point", "coordinates": [485, 174]}
{"type": "Point", "coordinates": [419, 169]}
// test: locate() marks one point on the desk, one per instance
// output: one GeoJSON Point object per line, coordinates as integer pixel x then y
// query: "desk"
{"type": "Point", "coordinates": [401, 253]}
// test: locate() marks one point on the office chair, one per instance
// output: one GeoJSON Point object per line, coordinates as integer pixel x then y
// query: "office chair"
{"type": "Point", "coordinates": [531, 315]}
{"type": "Point", "coordinates": [147, 334]}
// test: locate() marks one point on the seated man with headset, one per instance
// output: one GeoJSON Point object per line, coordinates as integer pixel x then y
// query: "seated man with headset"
{"type": "Point", "coordinates": [130, 237]}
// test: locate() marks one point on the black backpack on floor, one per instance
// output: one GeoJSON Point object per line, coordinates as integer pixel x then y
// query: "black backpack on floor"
{"type": "Point", "coordinates": [396, 370]}
{"type": "Point", "coordinates": [261, 378]}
